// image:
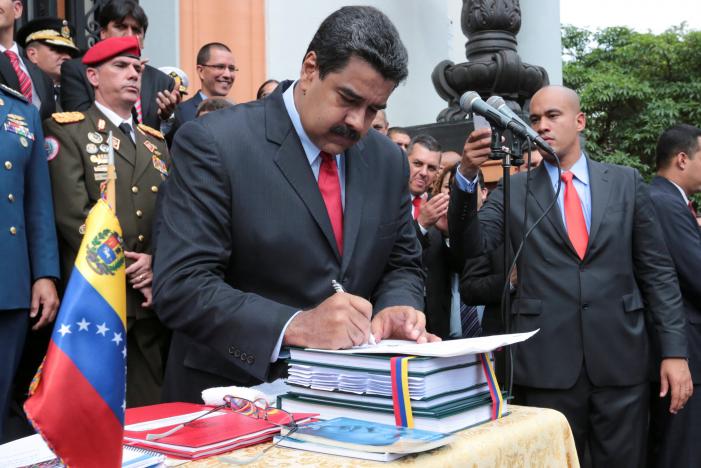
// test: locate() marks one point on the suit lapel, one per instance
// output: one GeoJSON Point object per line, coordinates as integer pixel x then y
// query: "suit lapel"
{"type": "Point", "coordinates": [600, 189]}
{"type": "Point", "coordinates": [293, 163]}
{"type": "Point", "coordinates": [8, 73]}
{"type": "Point", "coordinates": [541, 188]}
{"type": "Point", "coordinates": [125, 148]}
{"type": "Point", "coordinates": [356, 175]}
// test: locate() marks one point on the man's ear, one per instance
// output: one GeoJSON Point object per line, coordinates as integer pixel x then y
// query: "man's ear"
{"type": "Point", "coordinates": [309, 70]}
{"type": "Point", "coordinates": [31, 54]}
{"type": "Point", "coordinates": [682, 160]}
{"type": "Point", "coordinates": [18, 8]}
{"type": "Point", "coordinates": [93, 75]}
{"type": "Point", "coordinates": [581, 122]}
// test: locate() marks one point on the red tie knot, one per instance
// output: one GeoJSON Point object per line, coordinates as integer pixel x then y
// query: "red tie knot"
{"type": "Point", "coordinates": [11, 55]}
{"type": "Point", "coordinates": [325, 157]}
{"type": "Point", "coordinates": [567, 177]}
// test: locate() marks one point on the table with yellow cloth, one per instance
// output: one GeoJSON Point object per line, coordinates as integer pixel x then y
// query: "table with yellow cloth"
{"type": "Point", "coordinates": [527, 437]}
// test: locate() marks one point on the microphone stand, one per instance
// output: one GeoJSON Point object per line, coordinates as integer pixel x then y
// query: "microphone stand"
{"type": "Point", "coordinates": [508, 158]}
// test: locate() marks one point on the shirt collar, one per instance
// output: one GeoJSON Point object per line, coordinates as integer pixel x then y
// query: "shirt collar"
{"type": "Point", "coordinates": [202, 95]}
{"type": "Point", "coordinates": [681, 190]}
{"type": "Point", "coordinates": [14, 48]}
{"type": "Point", "coordinates": [579, 169]}
{"type": "Point", "coordinates": [112, 116]}
{"type": "Point", "coordinates": [310, 149]}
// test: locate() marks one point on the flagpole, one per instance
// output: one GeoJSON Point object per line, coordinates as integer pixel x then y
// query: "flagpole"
{"type": "Point", "coordinates": [110, 190]}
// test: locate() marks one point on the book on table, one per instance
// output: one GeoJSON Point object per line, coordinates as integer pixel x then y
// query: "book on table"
{"type": "Point", "coordinates": [363, 439]}
{"type": "Point", "coordinates": [445, 418]}
{"type": "Point", "coordinates": [214, 433]}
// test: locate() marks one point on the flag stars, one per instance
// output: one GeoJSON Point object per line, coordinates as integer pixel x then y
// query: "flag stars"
{"type": "Point", "coordinates": [124, 351]}
{"type": "Point", "coordinates": [64, 330]}
{"type": "Point", "coordinates": [117, 338]}
{"type": "Point", "coordinates": [83, 325]}
{"type": "Point", "coordinates": [102, 329]}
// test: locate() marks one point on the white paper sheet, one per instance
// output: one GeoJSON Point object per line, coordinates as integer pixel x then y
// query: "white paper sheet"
{"type": "Point", "coordinates": [482, 344]}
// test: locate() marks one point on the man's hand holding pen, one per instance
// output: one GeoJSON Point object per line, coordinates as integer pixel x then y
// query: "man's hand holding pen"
{"type": "Point", "coordinates": [344, 320]}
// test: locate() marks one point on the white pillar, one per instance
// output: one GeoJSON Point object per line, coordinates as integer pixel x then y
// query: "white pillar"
{"type": "Point", "coordinates": [539, 41]}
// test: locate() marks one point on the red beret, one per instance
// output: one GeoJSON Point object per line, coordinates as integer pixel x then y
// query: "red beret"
{"type": "Point", "coordinates": [112, 47]}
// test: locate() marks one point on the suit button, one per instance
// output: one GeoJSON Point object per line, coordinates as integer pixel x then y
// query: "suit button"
{"type": "Point", "coordinates": [237, 352]}
{"type": "Point", "coordinates": [135, 189]}
{"type": "Point", "coordinates": [250, 359]}
{"type": "Point", "coordinates": [11, 198]}
{"type": "Point", "coordinates": [13, 230]}
{"type": "Point", "coordinates": [585, 306]}
{"type": "Point", "coordinates": [231, 349]}
{"type": "Point", "coordinates": [8, 165]}
{"type": "Point", "coordinates": [154, 189]}
{"type": "Point", "coordinates": [139, 213]}
{"type": "Point", "coordinates": [243, 356]}
{"type": "Point", "coordinates": [141, 238]}
{"type": "Point", "coordinates": [81, 229]}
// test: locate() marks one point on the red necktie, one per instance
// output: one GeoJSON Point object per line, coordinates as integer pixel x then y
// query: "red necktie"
{"type": "Point", "coordinates": [25, 84]}
{"type": "Point", "coordinates": [574, 216]}
{"type": "Point", "coordinates": [330, 188]}
{"type": "Point", "coordinates": [417, 206]}
{"type": "Point", "coordinates": [692, 209]}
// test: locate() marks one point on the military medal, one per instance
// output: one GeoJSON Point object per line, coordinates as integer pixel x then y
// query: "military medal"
{"type": "Point", "coordinates": [101, 176]}
{"type": "Point", "coordinates": [115, 142]}
{"type": "Point", "coordinates": [101, 124]}
{"type": "Point", "coordinates": [150, 146]}
{"type": "Point", "coordinates": [91, 148]}
{"type": "Point", "coordinates": [104, 147]}
{"type": "Point", "coordinates": [23, 141]}
{"type": "Point", "coordinates": [95, 137]}
{"type": "Point", "coordinates": [159, 165]}
{"type": "Point", "coordinates": [99, 159]}
{"type": "Point", "coordinates": [101, 168]}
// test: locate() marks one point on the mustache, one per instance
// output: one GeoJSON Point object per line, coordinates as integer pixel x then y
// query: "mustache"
{"type": "Point", "coordinates": [345, 132]}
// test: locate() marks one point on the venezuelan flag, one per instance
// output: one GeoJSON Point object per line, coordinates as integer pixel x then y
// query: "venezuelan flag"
{"type": "Point", "coordinates": [77, 398]}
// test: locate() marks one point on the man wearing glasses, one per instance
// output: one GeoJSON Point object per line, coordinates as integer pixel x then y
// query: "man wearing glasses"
{"type": "Point", "coordinates": [269, 202]}
{"type": "Point", "coordinates": [217, 71]}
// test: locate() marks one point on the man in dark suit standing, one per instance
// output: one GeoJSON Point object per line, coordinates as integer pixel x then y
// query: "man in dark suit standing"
{"type": "Point", "coordinates": [158, 97]}
{"type": "Point", "coordinates": [589, 265]}
{"type": "Point", "coordinates": [28, 247]}
{"type": "Point", "coordinates": [674, 438]}
{"type": "Point", "coordinates": [16, 71]}
{"type": "Point", "coordinates": [282, 196]}
{"type": "Point", "coordinates": [217, 69]}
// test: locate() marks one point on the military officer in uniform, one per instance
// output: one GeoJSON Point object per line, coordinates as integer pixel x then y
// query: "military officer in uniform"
{"type": "Point", "coordinates": [77, 145]}
{"type": "Point", "coordinates": [28, 248]}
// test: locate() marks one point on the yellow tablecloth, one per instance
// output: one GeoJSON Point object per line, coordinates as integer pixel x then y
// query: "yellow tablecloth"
{"type": "Point", "coordinates": [528, 437]}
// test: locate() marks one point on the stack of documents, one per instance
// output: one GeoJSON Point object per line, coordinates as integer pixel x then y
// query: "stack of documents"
{"type": "Point", "coordinates": [447, 384]}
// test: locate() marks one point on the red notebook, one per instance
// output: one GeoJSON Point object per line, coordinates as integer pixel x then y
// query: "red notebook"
{"type": "Point", "coordinates": [218, 432]}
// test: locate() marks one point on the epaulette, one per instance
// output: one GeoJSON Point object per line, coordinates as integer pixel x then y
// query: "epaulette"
{"type": "Point", "coordinates": [13, 93]}
{"type": "Point", "coordinates": [151, 131]}
{"type": "Point", "coordinates": [67, 117]}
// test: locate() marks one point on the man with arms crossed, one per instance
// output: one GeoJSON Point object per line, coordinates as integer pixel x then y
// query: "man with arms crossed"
{"type": "Point", "coordinates": [282, 196]}
{"type": "Point", "coordinates": [587, 268]}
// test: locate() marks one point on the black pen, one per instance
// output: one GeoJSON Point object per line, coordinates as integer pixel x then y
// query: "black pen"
{"type": "Point", "coordinates": [339, 289]}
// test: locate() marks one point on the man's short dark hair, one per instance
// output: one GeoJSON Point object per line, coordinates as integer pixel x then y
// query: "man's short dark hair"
{"type": "Point", "coordinates": [401, 130]}
{"type": "Point", "coordinates": [117, 10]}
{"type": "Point", "coordinates": [206, 50]}
{"type": "Point", "coordinates": [364, 32]}
{"type": "Point", "coordinates": [681, 138]}
{"type": "Point", "coordinates": [212, 104]}
{"type": "Point", "coordinates": [427, 141]}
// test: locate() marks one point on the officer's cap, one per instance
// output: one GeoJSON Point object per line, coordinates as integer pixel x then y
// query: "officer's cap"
{"type": "Point", "coordinates": [112, 47]}
{"type": "Point", "coordinates": [51, 31]}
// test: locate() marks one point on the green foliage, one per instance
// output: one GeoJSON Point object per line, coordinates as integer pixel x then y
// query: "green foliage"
{"type": "Point", "coordinates": [632, 86]}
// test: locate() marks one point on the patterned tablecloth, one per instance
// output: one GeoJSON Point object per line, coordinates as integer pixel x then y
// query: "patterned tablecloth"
{"type": "Point", "coordinates": [528, 437]}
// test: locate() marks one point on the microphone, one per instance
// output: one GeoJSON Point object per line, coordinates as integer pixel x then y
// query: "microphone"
{"type": "Point", "coordinates": [471, 102]}
{"type": "Point", "coordinates": [498, 103]}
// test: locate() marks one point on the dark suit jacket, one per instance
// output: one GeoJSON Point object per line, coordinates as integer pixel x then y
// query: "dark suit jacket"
{"type": "Point", "coordinates": [32, 251]}
{"type": "Point", "coordinates": [683, 240]}
{"type": "Point", "coordinates": [588, 311]}
{"type": "Point", "coordinates": [482, 284]}
{"type": "Point", "coordinates": [184, 112]}
{"type": "Point", "coordinates": [437, 267]}
{"type": "Point", "coordinates": [257, 244]}
{"type": "Point", "coordinates": [77, 93]}
{"type": "Point", "coordinates": [42, 83]}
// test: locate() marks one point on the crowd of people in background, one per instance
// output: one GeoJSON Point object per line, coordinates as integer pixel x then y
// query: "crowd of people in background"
{"type": "Point", "coordinates": [237, 216]}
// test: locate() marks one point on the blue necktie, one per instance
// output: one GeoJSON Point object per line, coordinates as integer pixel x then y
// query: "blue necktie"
{"type": "Point", "coordinates": [470, 321]}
